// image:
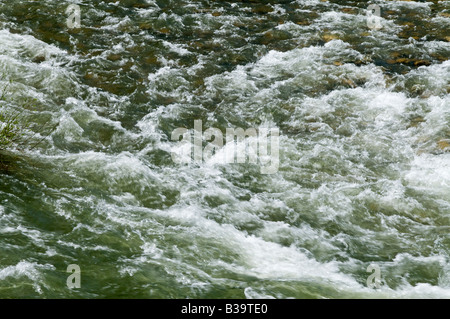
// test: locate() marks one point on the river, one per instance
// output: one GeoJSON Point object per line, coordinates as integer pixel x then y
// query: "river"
{"type": "Point", "coordinates": [360, 186]}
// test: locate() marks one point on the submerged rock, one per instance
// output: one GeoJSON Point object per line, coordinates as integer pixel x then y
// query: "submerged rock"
{"type": "Point", "coordinates": [444, 144]}
{"type": "Point", "coordinates": [327, 37]}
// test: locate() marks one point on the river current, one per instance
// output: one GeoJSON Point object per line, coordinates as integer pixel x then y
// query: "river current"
{"type": "Point", "coordinates": [361, 187]}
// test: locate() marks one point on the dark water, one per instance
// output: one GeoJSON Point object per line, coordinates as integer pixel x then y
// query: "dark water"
{"type": "Point", "coordinates": [364, 140]}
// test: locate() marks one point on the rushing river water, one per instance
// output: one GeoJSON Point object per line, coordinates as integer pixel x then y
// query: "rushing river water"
{"type": "Point", "coordinates": [364, 149]}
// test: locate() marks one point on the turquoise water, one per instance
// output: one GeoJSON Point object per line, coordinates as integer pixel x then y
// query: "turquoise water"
{"type": "Point", "coordinates": [364, 140]}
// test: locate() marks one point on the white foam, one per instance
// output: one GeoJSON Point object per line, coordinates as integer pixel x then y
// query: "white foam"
{"type": "Point", "coordinates": [31, 270]}
{"type": "Point", "coordinates": [430, 173]}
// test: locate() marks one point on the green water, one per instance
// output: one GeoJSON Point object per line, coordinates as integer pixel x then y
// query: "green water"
{"type": "Point", "coordinates": [364, 161]}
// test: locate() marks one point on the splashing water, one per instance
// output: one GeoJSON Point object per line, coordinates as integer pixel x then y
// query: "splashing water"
{"type": "Point", "coordinates": [364, 163]}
